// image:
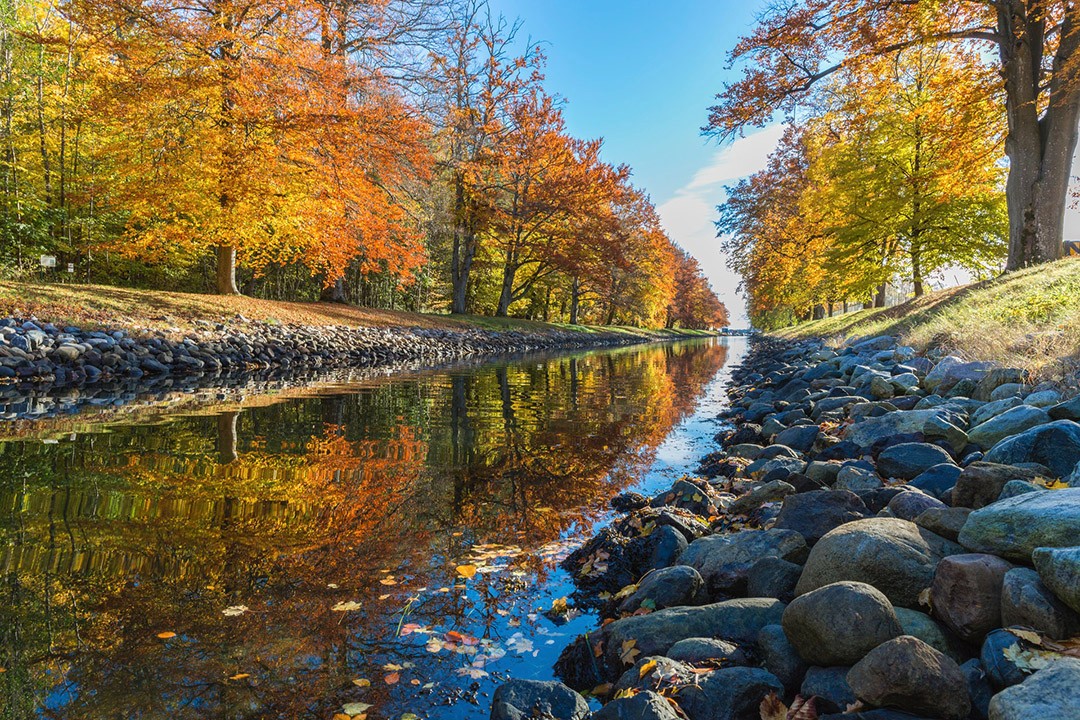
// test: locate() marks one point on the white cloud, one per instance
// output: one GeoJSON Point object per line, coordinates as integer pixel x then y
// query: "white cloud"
{"type": "Point", "coordinates": [689, 215]}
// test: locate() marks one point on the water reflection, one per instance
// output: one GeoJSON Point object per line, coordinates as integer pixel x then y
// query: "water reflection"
{"type": "Point", "coordinates": [378, 552]}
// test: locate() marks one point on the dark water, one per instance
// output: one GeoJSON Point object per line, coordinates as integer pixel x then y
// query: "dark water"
{"type": "Point", "coordinates": [385, 550]}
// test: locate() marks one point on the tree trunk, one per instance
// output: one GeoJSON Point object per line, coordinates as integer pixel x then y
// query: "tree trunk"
{"type": "Point", "coordinates": [879, 297]}
{"type": "Point", "coordinates": [464, 250]}
{"type": "Point", "coordinates": [1040, 150]}
{"type": "Point", "coordinates": [226, 270]}
{"type": "Point", "coordinates": [575, 300]}
{"type": "Point", "coordinates": [506, 294]}
{"type": "Point", "coordinates": [334, 293]}
{"type": "Point", "coordinates": [916, 270]}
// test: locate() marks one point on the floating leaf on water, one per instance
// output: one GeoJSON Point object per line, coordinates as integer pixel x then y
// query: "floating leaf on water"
{"type": "Point", "coordinates": [393, 667]}
{"type": "Point", "coordinates": [361, 682]}
{"type": "Point", "coordinates": [408, 716]}
{"type": "Point", "coordinates": [388, 581]}
{"type": "Point", "coordinates": [473, 672]}
{"type": "Point", "coordinates": [392, 678]}
{"type": "Point", "coordinates": [166, 635]}
{"type": "Point", "coordinates": [347, 606]}
{"type": "Point", "coordinates": [559, 606]}
{"type": "Point", "coordinates": [355, 708]}
{"type": "Point", "coordinates": [234, 610]}
{"type": "Point", "coordinates": [240, 676]}
{"type": "Point", "coordinates": [466, 571]}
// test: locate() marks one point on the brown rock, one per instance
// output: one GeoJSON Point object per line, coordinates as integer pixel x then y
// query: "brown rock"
{"type": "Point", "coordinates": [981, 483]}
{"type": "Point", "coordinates": [966, 593]}
{"type": "Point", "coordinates": [909, 674]}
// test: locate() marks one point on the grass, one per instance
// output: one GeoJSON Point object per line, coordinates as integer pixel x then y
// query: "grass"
{"type": "Point", "coordinates": [107, 306]}
{"type": "Point", "coordinates": [1028, 319]}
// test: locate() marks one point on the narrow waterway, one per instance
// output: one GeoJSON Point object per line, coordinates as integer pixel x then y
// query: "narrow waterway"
{"type": "Point", "coordinates": [387, 549]}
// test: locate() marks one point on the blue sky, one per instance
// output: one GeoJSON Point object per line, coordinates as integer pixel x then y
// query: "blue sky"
{"type": "Point", "coordinates": [641, 74]}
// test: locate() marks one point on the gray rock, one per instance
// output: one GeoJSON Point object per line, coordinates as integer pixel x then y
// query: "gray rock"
{"type": "Point", "coordinates": [946, 522]}
{"type": "Point", "coordinates": [773, 491]}
{"type": "Point", "coordinates": [1049, 693]}
{"type": "Point", "coordinates": [822, 472]}
{"type": "Point", "coordinates": [903, 422]}
{"type": "Point", "coordinates": [700, 651]}
{"type": "Point", "coordinates": [725, 560]}
{"type": "Point", "coordinates": [909, 460]}
{"type": "Point", "coordinates": [1059, 569]}
{"type": "Point", "coordinates": [729, 694]}
{"type": "Point", "coordinates": [667, 546]}
{"type": "Point", "coordinates": [654, 673]}
{"type": "Point", "coordinates": [813, 514]}
{"type": "Point", "coordinates": [830, 686]}
{"type": "Point", "coordinates": [1013, 528]}
{"type": "Point", "coordinates": [952, 370]}
{"type": "Point", "coordinates": [800, 437]}
{"type": "Point", "coordinates": [1009, 423]}
{"type": "Point", "coordinates": [992, 409]}
{"type": "Point", "coordinates": [1055, 445]}
{"type": "Point", "coordinates": [839, 623]}
{"type": "Point", "coordinates": [930, 631]}
{"type": "Point", "coordinates": [997, 378]}
{"type": "Point", "coordinates": [938, 481]}
{"type": "Point", "coordinates": [736, 620]}
{"type": "Point", "coordinates": [1068, 410]}
{"type": "Point", "coordinates": [910, 505]}
{"type": "Point", "coordinates": [909, 674]}
{"type": "Point", "coordinates": [1007, 390]}
{"type": "Point", "coordinates": [979, 689]}
{"type": "Point", "coordinates": [1043, 398]}
{"type": "Point", "coordinates": [664, 588]}
{"type": "Point", "coordinates": [750, 451]}
{"type": "Point", "coordinates": [526, 699]}
{"type": "Point", "coordinates": [1018, 487]}
{"type": "Point", "coordinates": [966, 594]}
{"type": "Point", "coordinates": [857, 479]}
{"type": "Point", "coordinates": [981, 483]}
{"type": "Point", "coordinates": [780, 657]}
{"type": "Point", "coordinates": [1000, 670]}
{"type": "Point", "coordinates": [1027, 602]}
{"type": "Point", "coordinates": [895, 556]}
{"type": "Point", "coordinates": [646, 705]}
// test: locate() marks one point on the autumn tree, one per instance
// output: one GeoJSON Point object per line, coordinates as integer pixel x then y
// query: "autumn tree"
{"type": "Point", "coordinates": [1033, 44]}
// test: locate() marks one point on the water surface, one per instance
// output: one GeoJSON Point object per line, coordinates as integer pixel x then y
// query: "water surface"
{"type": "Point", "coordinates": [387, 548]}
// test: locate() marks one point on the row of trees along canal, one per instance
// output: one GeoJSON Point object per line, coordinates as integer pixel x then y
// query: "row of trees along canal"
{"type": "Point", "coordinates": [396, 153]}
{"type": "Point", "coordinates": [921, 135]}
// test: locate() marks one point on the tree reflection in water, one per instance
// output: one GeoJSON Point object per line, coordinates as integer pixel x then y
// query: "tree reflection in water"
{"type": "Point", "coordinates": [340, 523]}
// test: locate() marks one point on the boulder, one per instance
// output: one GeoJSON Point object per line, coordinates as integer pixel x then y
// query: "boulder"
{"type": "Point", "coordinates": [937, 481]}
{"type": "Point", "coordinates": [645, 705]}
{"type": "Point", "coordinates": [1019, 487]}
{"type": "Point", "coordinates": [666, 547]}
{"type": "Point", "coordinates": [1014, 527]}
{"type": "Point", "coordinates": [779, 656]}
{"type": "Point", "coordinates": [993, 409]}
{"type": "Point", "coordinates": [909, 674]}
{"type": "Point", "coordinates": [900, 422]}
{"type": "Point", "coordinates": [1048, 693]}
{"type": "Point", "coordinates": [654, 673]}
{"type": "Point", "coordinates": [1009, 423]}
{"type": "Point", "coordinates": [813, 514]}
{"type": "Point", "coordinates": [688, 496]}
{"type": "Point", "coordinates": [909, 460]}
{"type": "Point", "coordinates": [526, 699]}
{"type": "Point", "coordinates": [1068, 410]}
{"type": "Point", "coordinates": [853, 478]}
{"type": "Point", "coordinates": [946, 522]}
{"type": "Point", "coordinates": [664, 588]}
{"type": "Point", "coordinates": [895, 556]}
{"type": "Point", "coordinates": [979, 688]}
{"type": "Point", "coordinates": [799, 437]}
{"type": "Point", "coordinates": [701, 651]}
{"type": "Point", "coordinates": [830, 686]}
{"type": "Point", "coordinates": [773, 577]}
{"type": "Point", "coordinates": [839, 623]}
{"type": "Point", "coordinates": [1055, 445]}
{"type": "Point", "coordinates": [966, 594]}
{"type": "Point", "coordinates": [951, 370]}
{"type": "Point", "coordinates": [773, 491]}
{"type": "Point", "coordinates": [725, 560]}
{"type": "Point", "coordinates": [1000, 669]}
{"type": "Point", "coordinates": [981, 483]}
{"type": "Point", "coordinates": [729, 694]}
{"type": "Point", "coordinates": [910, 505]}
{"type": "Point", "coordinates": [1027, 602]}
{"type": "Point", "coordinates": [1059, 569]}
{"type": "Point", "coordinates": [930, 631]}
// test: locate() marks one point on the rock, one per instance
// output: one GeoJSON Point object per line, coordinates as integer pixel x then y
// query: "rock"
{"type": "Point", "coordinates": [830, 686]}
{"type": "Point", "coordinates": [701, 651]}
{"type": "Point", "coordinates": [952, 370]}
{"type": "Point", "coordinates": [946, 522]}
{"type": "Point", "coordinates": [668, 587]}
{"type": "Point", "coordinates": [1027, 602]}
{"type": "Point", "coordinates": [725, 560]}
{"type": "Point", "coordinates": [1043, 398]}
{"type": "Point", "coordinates": [1018, 487]}
{"type": "Point", "coordinates": [773, 577]}
{"type": "Point", "coordinates": [1014, 527]}
{"type": "Point", "coordinates": [628, 501]}
{"type": "Point", "coordinates": [857, 479]}
{"type": "Point", "coordinates": [920, 625]}
{"type": "Point", "coordinates": [1000, 670]}
{"type": "Point", "coordinates": [813, 514]}
{"type": "Point", "coordinates": [866, 433]}
{"type": "Point", "coordinates": [1055, 445]}
{"type": "Point", "coordinates": [646, 705]}
{"type": "Point", "coordinates": [912, 504]}
{"type": "Point", "coordinates": [1049, 693]}
{"type": "Point", "coordinates": [1068, 410]}
{"type": "Point", "coordinates": [937, 481]}
{"type": "Point", "coordinates": [966, 594]}
{"type": "Point", "coordinates": [1007, 390]}
{"type": "Point", "coordinates": [993, 409]}
{"type": "Point", "coordinates": [909, 460]}
{"type": "Point", "coordinates": [909, 674]}
{"type": "Point", "coordinates": [997, 378]}
{"type": "Point", "coordinates": [779, 657]}
{"type": "Point", "coordinates": [1009, 423]}
{"type": "Point", "coordinates": [1059, 569]}
{"type": "Point", "coordinates": [774, 491]}
{"type": "Point", "coordinates": [979, 689]}
{"type": "Point", "coordinates": [839, 623]}
{"type": "Point", "coordinates": [654, 673]}
{"type": "Point", "coordinates": [729, 694]}
{"type": "Point", "coordinates": [799, 437]}
{"type": "Point", "coordinates": [688, 496]}
{"type": "Point", "coordinates": [895, 556]}
{"type": "Point", "coordinates": [653, 634]}
{"type": "Point", "coordinates": [526, 699]}
{"type": "Point", "coordinates": [981, 483]}
{"type": "Point", "coordinates": [667, 546]}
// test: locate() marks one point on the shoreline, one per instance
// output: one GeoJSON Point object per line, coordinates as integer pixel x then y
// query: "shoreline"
{"type": "Point", "coordinates": [881, 534]}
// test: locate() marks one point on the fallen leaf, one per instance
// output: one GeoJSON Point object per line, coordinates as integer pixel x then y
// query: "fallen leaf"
{"type": "Point", "coordinates": [392, 678]}
{"type": "Point", "coordinates": [240, 676]}
{"type": "Point", "coordinates": [341, 716]}
{"type": "Point", "coordinates": [347, 606]}
{"type": "Point", "coordinates": [647, 668]}
{"type": "Point", "coordinates": [628, 653]}
{"type": "Point", "coordinates": [1032, 637]}
{"type": "Point", "coordinates": [234, 610]}
{"type": "Point", "coordinates": [361, 682]}
{"type": "Point", "coordinates": [355, 708]}
{"type": "Point", "coordinates": [466, 571]}
{"type": "Point", "coordinates": [166, 635]}
{"type": "Point", "coordinates": [601, 690]}
{"type": "Point", "coordinates": [772, 708]}
{"type": "Point", "coordinates": [388, 581]}
{"type": "Point", "coordinates": [803, 708]}
{"type": "Point", "coordinates": [559, 606]}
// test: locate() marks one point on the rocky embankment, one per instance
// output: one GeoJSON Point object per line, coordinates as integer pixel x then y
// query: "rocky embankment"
{"type": "Point", "coordinates": [882, 536]}
{"type": "Point", "coordinates": [38, 358]}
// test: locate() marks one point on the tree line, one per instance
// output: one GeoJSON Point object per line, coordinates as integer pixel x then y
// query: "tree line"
{"type": "Point", "coordinates": [394, 153]}
{"type": "Point", "coordinates": [921, 136]}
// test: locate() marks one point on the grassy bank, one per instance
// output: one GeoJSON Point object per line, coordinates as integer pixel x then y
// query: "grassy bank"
{"type": "Point", "coordinates": [106, 306]}
{"type": "Point", "coordinates": [1027, 319]}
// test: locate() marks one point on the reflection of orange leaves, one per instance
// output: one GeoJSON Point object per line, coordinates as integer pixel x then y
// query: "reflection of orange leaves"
{"type": "Point", "coordinates": [466, 571]}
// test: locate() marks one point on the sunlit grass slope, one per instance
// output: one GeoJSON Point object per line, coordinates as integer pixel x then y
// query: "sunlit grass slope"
{"type": "Point", "coordinates": [1027, 319]}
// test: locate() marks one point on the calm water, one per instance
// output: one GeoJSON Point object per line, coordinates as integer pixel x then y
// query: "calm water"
{"type": "Point", "coordinates": [383, 549]}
